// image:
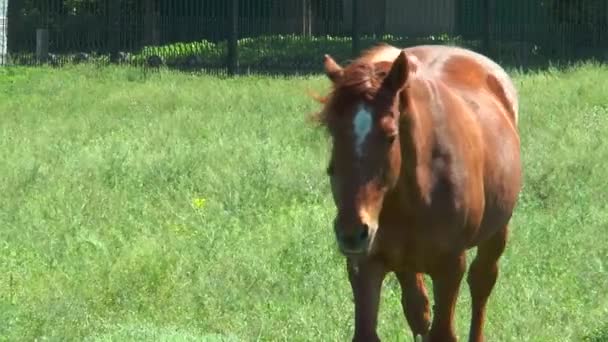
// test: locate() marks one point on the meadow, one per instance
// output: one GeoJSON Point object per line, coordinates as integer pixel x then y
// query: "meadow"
{"type": "Point", "coordinates": [174, 207]}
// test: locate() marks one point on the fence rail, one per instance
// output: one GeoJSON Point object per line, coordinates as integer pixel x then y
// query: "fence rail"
{"type": "Point", "coordinates": [275, 36]}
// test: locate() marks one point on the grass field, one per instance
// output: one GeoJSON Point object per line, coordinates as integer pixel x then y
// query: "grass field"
{"type": "Point", "coordinates": [184, 208]}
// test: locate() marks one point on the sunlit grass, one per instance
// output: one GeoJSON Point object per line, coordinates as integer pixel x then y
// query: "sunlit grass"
{"type": "Point", "coordinates": [180, 207]}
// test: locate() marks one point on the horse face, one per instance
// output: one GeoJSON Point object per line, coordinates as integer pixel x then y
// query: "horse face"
{"type": "Point", "coordinates": [366, 158]}
{"type": "Point", "coordinates": [365, 164]}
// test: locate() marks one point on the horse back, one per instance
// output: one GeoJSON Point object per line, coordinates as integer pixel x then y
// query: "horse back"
{"type": "Point", "coordinates": [469, 71]}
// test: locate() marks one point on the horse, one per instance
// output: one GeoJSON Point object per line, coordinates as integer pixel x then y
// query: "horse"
{"type": "Point", "coordinates": [424, 166]}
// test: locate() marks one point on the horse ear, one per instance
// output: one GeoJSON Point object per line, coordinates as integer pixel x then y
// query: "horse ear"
{"type": "Point", "coordinates": [400, 71]}
{"type": "Point", "coordinates": [332, 69]}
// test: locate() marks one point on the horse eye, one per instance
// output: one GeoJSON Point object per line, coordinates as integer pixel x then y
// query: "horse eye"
{"type": "Point", "coordinates": [391, 138]}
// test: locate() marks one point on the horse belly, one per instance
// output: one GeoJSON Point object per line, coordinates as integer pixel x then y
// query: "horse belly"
{"type": "Point", "coordinates": [502, 186]}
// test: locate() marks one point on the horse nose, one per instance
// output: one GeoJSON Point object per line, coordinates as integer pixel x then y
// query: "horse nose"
{"type": "Point", "coordinates": [353, 241]}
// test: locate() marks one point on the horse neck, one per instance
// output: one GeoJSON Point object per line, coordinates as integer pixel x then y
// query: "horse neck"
{"type": "Point", "coordinates": [416, 139]}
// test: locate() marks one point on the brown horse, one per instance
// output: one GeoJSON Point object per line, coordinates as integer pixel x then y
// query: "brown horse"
{"type": "Point", "coordinates": [425, 165]}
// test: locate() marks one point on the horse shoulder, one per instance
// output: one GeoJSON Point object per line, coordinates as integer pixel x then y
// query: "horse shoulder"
{"type": "Point", "coordinates": [450, 177]}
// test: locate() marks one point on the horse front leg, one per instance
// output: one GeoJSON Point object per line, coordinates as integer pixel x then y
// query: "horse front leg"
{"type": "Point", "coordinates": [446, 282]}
{"type": "Point", "coordinates": [415, 302]}
{"type": "Point", "coordinates": [366, 278]}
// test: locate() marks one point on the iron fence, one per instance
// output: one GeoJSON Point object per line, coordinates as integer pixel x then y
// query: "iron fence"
{"type": "Point", "coordinates": [3, 38]}
{"type": "Point", "coordinates": [276, 36]}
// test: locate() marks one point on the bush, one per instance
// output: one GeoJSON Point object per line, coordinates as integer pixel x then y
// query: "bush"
{"type": "Point", "coordinates": [282, 51]}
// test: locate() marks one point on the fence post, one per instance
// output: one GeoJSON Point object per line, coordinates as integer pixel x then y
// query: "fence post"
{"type": "Point", "coordinates": [307, 18]}
{"type": "Point", "coordinates": [151, 34]}
{"type": "Point", "coordinates": [382, 24]}
{"type": "Point", "coordinates": [114, 36]}
{"type": "Point", "coordinates": [233, 58]}
{"type": "Point", "coordinates": [42, 45]}
{"type": "Point", "coordinates": [488, 10]}
{"type": "Point", "coordinates": [356, 28]}
{"type": "Point", "coordinates": [3, 33]}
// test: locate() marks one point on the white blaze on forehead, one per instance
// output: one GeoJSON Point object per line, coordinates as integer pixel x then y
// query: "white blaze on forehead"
{"type": "Point", "coordinates": [362, 124]}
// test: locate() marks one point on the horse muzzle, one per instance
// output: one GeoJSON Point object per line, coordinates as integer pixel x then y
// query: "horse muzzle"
{"type": "Point", "coordinates": [355, 240]}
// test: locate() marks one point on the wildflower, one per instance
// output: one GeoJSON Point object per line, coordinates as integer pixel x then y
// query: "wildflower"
{"type": "Point", "coordinates": [198, 202]}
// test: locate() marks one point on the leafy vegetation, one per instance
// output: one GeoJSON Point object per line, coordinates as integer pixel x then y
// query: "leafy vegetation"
{"type": "Point", "coordinates": [174, 207]}
{"type": "Point", "coordinates": [265, 52]}
{"type": "Point", "coordinates": [277, 51]}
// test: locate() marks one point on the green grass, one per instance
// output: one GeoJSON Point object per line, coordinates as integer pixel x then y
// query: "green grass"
{"type": "Point", "coordinates": [187, 208]}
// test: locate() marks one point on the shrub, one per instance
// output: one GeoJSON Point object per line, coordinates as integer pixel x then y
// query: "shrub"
{"type": "Point", "coordinates": [283, 51]}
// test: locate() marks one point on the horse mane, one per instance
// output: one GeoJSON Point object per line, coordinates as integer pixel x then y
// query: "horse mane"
{"type": "Point", "coordinates": [362, 78]}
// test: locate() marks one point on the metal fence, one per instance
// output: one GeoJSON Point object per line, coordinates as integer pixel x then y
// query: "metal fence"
{"type": "Point", "coordinates": [278, 36]}
{"type": "Point", "coordinates": [3, 38]}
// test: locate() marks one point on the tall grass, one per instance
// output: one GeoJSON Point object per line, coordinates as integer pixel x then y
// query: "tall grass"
{"type": "Point", "coordinates": [184, 208]}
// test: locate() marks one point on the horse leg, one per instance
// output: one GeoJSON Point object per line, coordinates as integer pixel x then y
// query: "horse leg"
{"type": "Point", "coordinates": [482, 277]}
{"type": "Point", "coordinates": [446, 282]}
{"type": "Point", "coordinates": [366, 281]}
{"type": "Point", "coordinates": [415, 302]}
